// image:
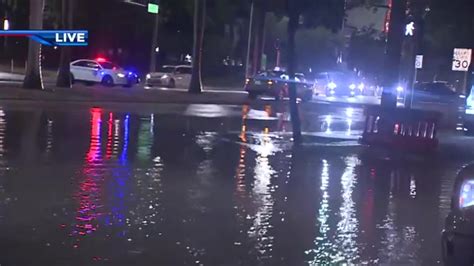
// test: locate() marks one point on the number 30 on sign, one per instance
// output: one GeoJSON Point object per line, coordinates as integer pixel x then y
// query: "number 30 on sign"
{"type": "Point", "coordinates": [462, 59]}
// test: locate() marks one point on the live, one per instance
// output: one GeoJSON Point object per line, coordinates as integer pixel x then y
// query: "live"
{"type": "Point", "coordinates": [70, 37]}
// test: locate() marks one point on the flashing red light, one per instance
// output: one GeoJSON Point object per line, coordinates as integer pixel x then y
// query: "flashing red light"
{"type": "Point", "coordinates": [100, 59]}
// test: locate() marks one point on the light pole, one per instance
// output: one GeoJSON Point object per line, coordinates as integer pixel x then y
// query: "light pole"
{"type": "Point", "coordinates": [152, 7]}
{"type": "Point", "coordinates": [154, 44]}
{"type": "Point", "coordinates": [248, 67]}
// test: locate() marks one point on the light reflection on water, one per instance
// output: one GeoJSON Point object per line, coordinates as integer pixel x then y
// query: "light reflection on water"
{"type": "Point", "coordinates": [89, 193]}
{"type": "Point", "coordinates": [347, 227]}
{"type": "Point", "coordinates": [341, 247]}
{"type": "Point", "coordinates": [216, 201]}
{"type": "Point", "coordinates": [261, 191]}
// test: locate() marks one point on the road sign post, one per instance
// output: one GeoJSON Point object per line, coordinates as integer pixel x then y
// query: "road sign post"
{"type": "Point", "coordinates": [461, 62]}
{"type": "Point", "coordinates": [461, 59]}
{"type": "Point", "coordinates": [419, 62]}
{"type": "Point", "coordinates": [418, 65]}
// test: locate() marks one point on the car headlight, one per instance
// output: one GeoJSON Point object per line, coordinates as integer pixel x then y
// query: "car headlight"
{"type": "Point", "coordinates": [361, 86]}
{"type": "Point", "coordinates": [332, 85]}
{"type": "Point", "coordinates": [352, 86]}
{"type": "Point", "coordinates": [148, 76]}
{"type": "Point", "coordinates": [121, 75]}
{"type": "Point", "coordinates": [462, 96]}
{"type": "Point", "coordinates": [466, 195]}
{"type": "Point", "coordinates": [400, 89]}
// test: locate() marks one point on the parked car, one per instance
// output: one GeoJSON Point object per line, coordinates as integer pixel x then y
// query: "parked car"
{"type": "Point", "coordinates": [102, 71]}
{"type": "Point", "coordinates": [469, 114]}
{"type": "Point", "coordinates": [437, 92]}
{"type": "Point", "coordinates": [457, 239]}
{"type": "Point", "coordinates": [170, 76]}
{"type": "Point", "coordinates": [275, 84]}
{"type": "Point", "coordinates": [338, 83]}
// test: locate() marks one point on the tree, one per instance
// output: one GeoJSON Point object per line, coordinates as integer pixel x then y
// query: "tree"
{"type": "Point", "coordinates": [64, 71]}
{"type": "Point", "coordinates": [33, 79]}
{"type": "Point", "coordinates": [195, 85]}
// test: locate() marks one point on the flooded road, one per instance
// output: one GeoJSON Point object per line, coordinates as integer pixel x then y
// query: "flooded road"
{"type": "Point", "coordinates": [212, 185]}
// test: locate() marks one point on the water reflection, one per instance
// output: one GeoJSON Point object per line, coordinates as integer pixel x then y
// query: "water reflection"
{"type": "Point", "coordinates": [4, 199]}
{"type": "Point", "coordinates": [323, 247]}
{"type": "Point", "coordinates": [147, 193]}
{"type": "Point", "coordinates": [264, 200]}
{"type": "Point", "coordinates": [89, 194]}
{"type": "Point", "coordinates": [347, 227]}
{"type": "Point", "coordinates": [341, 246]}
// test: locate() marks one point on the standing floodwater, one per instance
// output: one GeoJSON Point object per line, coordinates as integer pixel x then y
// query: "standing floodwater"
{"type": "Point", "coordinates": [183, 185]}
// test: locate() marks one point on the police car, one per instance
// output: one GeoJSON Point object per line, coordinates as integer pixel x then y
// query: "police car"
{"type": "Point", "coordinates": [101, 71]}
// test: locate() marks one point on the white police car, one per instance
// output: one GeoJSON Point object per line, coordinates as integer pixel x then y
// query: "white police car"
{"type": "Point", "coordinates": [101, 71]}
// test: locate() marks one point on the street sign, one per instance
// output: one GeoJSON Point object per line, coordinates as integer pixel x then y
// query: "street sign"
{"type": "Point", "coordinates": [153, 8]}
{"type": "Point", "coordinates": [462, 59]}
{"type": "Point", "coordinates": [419, 62]}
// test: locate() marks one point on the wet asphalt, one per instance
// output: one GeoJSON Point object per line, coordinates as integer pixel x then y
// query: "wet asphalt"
{"type": "Point", "coordinates": [214, 185]}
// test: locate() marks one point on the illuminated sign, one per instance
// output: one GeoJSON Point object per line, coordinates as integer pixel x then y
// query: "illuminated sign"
{"type": "Point", "coordinates": [410, 29]}
{"type": "Point", "coordinates": [153, 8]}
{"type": "Point", "coordinates": [52, 37]}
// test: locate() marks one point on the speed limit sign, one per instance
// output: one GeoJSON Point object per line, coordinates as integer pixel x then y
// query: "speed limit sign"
{"type": "Point", "coordinates": [461, 59]}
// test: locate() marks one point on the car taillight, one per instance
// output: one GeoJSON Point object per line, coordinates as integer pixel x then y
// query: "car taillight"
{"type": "Point", "coordinates": [270, 82]}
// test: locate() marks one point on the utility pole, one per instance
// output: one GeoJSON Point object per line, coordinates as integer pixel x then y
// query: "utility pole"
{"type": "Point", "coordinates": [259, 34]}
{"type": "Point", "coordinates": [154, 44]}
{"type": "Point", "coordinates": [248, 67]}
{"type": "Point", "coordinates": [417, 11]}
{"type": "Point", "coordinates": [154, 8]}
{"type": "Point", "coordinates": [393, 52]}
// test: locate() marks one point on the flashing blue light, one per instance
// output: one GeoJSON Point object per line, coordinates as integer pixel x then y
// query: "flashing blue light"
{"type": "Point", "coordinates": [102, 73]}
